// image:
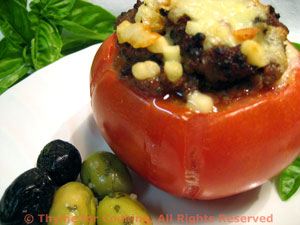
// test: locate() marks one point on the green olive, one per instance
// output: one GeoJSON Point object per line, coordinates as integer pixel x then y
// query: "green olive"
{"type": "Point", "coordinates": [104, 173]}
{"type": "Point", "coordinates": [122, 209]}
{"type": "Point", "coordinates": [73, 204]}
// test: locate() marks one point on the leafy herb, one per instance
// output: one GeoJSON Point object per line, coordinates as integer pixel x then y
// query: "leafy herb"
{"type": "Point", "coordinates": [73, 42]}
{"type": "Point", "coordinates": [46, 45]}
{"type": "Point", "coordinates": [50, 30]}
{"type": "Point", "coordinates": [52, 9]}
{"type": "Point", "coordinates": [13, 67]}
{"type": "Point", "coordinates": [96, 25]}
{"type": "Point", "coordinates": [296, 45]}
{"type": "Point", "coordinates": [14, 22]}
{"type": "Point", "coordinates": [290, 180]}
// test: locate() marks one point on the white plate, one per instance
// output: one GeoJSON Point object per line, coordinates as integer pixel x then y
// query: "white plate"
{"type": "Point", "coordinates": [55, 103]}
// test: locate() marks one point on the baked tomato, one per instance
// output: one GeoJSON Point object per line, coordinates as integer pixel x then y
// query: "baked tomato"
{"type": "Point", "coordinates": [194, 155]}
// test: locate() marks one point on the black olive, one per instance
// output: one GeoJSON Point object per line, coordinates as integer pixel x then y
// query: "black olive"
{"type": "Point", "coordinates": [30, 193]}
{"type": "Point", "coordinates": [61, 160]}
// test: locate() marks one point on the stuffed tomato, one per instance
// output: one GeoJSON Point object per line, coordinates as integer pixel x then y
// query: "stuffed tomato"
{"type": "Point", "coordinates": [201, 110]}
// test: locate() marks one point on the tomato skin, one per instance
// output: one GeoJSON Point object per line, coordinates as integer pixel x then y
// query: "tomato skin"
{"type": "Point", "coordinates": [198, 156]}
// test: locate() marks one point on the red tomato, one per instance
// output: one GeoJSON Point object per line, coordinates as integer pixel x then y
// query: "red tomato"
{"type": "Point", "coordinates": [198, 156]}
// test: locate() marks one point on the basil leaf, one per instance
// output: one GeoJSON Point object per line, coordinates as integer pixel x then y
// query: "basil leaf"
{"type": "Point", "coordinates": [290, 180]}
{"type": "Point", "coordinates": [12, 65]}
{"type": "Point", "coordinates": [9, 50]}
{"type": "Point", "coordinates": [89, 21]}
{"type": "Point", "coordinates": [27, 56]}
{"type": "Point", "coordinates": [34, 20]}
{"type": "Point", "coordinates": [22, 2]}
{"type": "Point", "coordinates": [2, 90]}
{"type": "Point", "coordinates": [8, 66]}
{"type": "Point", "coordinates": [10, 57]}
{"type": "Point", "coordinates": [52, 9]}
{"type": "Point", "coordinates": [73, 42]}
{"type": "Point", "coordinates": [50, 30]}
{"type": "Point", "coordinates": [14, 77]}
{"type": "Point", "coordinates": [14, 22]}
{"type": "Point", "coordinates": [46, 45]}
{"type": "Point", "coordinates": [296, 45]}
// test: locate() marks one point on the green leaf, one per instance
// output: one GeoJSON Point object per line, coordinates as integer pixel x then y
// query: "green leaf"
{"type": "Point", "coordinates": [9, 50]}
{"type": "Point", "coordinates": [34, 20]}
{"type": "Point", "coordinates": [14, 77]}
{"type": "Point", "coordinates": [46, 45]}
{"type": "Point", "coordinates": [52, 9]}
{"type": "Point", "coordinates": [73, 42]}
{"type": "Point", "coordinates": [27, 56]}
{"type": "Point", "coordinates": [12, 65]}
{"type": "Point", "coordinates": [8, 66]}
{"type": "Point", "coordinates": [50, 30]}
{"type": "Point", "coordinates": [22, 2]}
{"type": "Point", "coordinates": [2, 90]}
{"type": "Point", "coordinates": [14, 22]}
{"type": "Point", "coordinates": [290, 180]}
{"type": "Point", "coordinates": [89, 21]}
{"type": "Point", "coordinates": [296, 45]}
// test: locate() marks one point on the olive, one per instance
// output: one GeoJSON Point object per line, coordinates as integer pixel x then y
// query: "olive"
{"type": "Point", "coordinates": [61, 160]}
{"type": "Point", "coordinates": [30, 193]}
{"type": "Point", "coordinates": [104, 173]}
{"type": "Point", "coordinates": [122, 209]}
{"type": "Point", "coordinates": [74, 203]}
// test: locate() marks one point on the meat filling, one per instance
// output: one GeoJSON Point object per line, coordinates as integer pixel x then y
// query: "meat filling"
{"type": "Point", "coordinates": [215, 70]}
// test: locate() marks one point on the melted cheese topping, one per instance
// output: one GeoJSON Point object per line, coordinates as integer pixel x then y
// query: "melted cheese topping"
{"type": "Point", "coordinates": [231, 23]}
{"type": "Point", "coordinates": [145, 70]}
{"type": "Point", "coordinates": [199, 102]}
{"type": "Point", "coordinates": [223, 22]}
{"type": "Point", "coordinates": [217, 19]}
{"type": "Point", "coordinates": [137, 34]}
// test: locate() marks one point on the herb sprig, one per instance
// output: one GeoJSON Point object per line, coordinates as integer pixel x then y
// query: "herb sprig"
{"type": "Point", "coordinates": [289, 181]}
{"type": "Point", "coordinates": [296, 45]}
{"type": "Point", "coordinates": [48, 31]}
